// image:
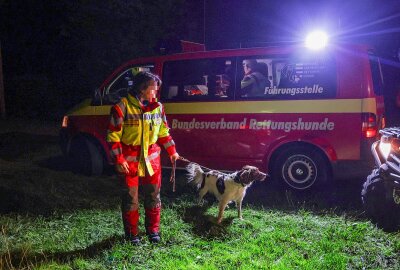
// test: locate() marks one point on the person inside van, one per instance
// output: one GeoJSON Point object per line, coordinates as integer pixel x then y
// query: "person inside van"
{"type": "Point", "coordinates": [254, 81]}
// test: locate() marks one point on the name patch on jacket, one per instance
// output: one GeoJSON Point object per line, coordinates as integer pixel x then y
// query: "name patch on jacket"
{"type": "Point", "coordinates": [151, 116]}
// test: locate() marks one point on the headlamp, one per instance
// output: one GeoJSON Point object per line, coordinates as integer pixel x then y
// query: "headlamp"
{"type": "Point", "coordinates": [384, 148]}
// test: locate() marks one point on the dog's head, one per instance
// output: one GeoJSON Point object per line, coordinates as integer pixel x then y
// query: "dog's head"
{"type": "Point", "coordinates": [249, 174]}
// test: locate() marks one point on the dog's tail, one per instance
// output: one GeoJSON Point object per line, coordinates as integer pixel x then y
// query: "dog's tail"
{"type": "Point", "coordinates": [195, 174]}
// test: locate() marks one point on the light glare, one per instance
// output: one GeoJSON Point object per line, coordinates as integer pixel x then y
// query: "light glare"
{"type": "Point", "coordinates": [385, 149]}
{"type": "Point", "coordinates": [316, 40]}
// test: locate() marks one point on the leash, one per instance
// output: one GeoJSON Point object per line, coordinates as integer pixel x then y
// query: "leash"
{"type": "Point", "coordinates": [172, 178]}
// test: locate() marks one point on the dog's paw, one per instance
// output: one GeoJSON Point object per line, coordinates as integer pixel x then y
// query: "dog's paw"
{"type": "Point", "coordinates": [219, 220]}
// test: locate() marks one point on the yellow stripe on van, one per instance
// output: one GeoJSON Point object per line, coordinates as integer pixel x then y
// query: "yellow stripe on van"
{"type": "Point", "coordinates": [281, 106]}
{"type": "Point", "coordinates": [231, 107]}
{"type": "Point", "coordinates": [91, 110]}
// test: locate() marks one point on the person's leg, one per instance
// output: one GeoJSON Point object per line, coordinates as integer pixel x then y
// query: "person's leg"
{"type": "Point", "coordinates": [130, 208]}
{"type": "Point", "coordinates": [130, 194]}
{"type": "Point", "coordinates": [152, 201]}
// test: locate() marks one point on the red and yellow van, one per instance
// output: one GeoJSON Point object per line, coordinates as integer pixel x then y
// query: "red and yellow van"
{"type": "Point", "coordinates": [298, 115]}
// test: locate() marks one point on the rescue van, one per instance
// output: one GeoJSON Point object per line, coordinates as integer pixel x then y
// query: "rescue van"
{"type": "Point", "coordinates": [295, 113]}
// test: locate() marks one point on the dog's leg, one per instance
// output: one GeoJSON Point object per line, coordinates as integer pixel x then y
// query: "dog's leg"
{"type": "Point", "coordinates": [239, 207]}
{"type": "Point", "coordinates": [222, 206]}
{"type": "Point", "coordinates": [202, 192]}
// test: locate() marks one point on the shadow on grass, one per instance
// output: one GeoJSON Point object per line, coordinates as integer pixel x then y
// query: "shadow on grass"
{"type": "Point", "coordinates": [343, 197]}
{"type": "Point", "coordinates": [14, 201]}
{"type": "Point", "coordinates": [37, 192]}
{"type": "Point", "coordinates": [56, 163]}
{"type": "Point", "coordinates": [35, 179]}
{"type": "Point", "coordinates": [205, 225]}
{"type": "Point", "coordinates": [20, 259]}
{"type": "Point", "coordinates": [61, 163]}
{"type": "Point", "coordinates": [16, 144]}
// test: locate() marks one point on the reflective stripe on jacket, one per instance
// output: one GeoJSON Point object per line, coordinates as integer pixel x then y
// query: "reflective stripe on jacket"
{"type": "Point", "coordinates": [133, 124]}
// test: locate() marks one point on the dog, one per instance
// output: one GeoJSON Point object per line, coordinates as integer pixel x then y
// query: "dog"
{"type": "Point", "coordinates": [225, 187]}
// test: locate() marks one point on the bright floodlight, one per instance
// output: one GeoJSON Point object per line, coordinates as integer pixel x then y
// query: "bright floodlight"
{"type": "Point", "coordinates": [316, 40]}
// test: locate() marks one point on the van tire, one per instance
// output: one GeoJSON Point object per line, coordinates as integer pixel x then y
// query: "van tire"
{"type": "Point", "coordinates": [301, 168]}
{"type": "Point", "coordinates": [85, 157]}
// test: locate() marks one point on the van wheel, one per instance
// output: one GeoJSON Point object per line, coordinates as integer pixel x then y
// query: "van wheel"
{"type": "Point", "coordinates": [301, 168]}
{"type": "Point", "coordinates": [85, 157]}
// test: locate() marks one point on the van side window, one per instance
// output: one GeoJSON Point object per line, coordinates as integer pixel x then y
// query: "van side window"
{"type": "Point", "coordinates": [121, 84]}
{"type": "Point", "coordinates": [200, 79]}
{"type": "Point", "coordinates": [286, 78]}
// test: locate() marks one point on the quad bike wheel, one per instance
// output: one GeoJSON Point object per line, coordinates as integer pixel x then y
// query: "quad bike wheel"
{"type": "Point", "coordinates": [381, 200]}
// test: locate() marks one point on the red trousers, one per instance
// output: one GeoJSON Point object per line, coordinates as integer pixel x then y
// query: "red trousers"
{"type": "Point", "coordinates": [150, 186]}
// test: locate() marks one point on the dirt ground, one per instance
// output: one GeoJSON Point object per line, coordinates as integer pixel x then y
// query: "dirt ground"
{"type": "Point", "coordinates": [36, 179]}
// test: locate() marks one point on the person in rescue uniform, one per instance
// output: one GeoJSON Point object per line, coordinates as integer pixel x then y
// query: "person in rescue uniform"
{"type": "Point", "coordinates": [137, 125]}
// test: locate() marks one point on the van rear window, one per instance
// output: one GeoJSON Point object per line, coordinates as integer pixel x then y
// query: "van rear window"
{"type": "Point", "coordinates": [286, 78]}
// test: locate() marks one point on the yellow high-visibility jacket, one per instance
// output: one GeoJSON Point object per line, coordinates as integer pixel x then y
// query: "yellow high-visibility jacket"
{"type": "Point", "coordinates": [134, 124]}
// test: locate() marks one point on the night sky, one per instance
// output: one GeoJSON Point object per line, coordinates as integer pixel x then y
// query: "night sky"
{"type": "Point", "coordinates": [58, 52]}
{"type": "Point", "coordinates": [366, 21]}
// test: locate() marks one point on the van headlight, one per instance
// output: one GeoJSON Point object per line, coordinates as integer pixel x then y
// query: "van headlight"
{"type": "Point", "coordinates": [385, 148]}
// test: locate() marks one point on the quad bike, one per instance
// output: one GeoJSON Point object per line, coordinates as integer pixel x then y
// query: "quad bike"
{"type": "Point", "coordinates": [381, 191]}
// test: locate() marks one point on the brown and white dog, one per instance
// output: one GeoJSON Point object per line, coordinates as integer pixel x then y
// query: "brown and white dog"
{"type": "Point", "coordinates": [225, 187]}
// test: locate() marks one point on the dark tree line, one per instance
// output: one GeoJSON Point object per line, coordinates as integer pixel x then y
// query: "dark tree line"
{"type": "Point", "coordinates": [56, 52]}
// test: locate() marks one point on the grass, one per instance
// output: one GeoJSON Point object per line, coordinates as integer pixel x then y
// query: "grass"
{"type": "Point", "coordinates": [265, 239]}
{"type": "Point", "coordinates": [51, 218]}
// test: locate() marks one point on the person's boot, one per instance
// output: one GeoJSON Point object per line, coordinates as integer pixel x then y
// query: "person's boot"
{"type": "Point", "coordinates": [134, 240]}
{"type": "Point", "coordinates": [154, 237]}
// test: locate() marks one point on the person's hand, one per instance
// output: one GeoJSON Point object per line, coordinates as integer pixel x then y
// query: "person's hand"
{"type": "Point", "coordinates": [122, 167]}
{"type": "Point", "coordinates": [174, 157]}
